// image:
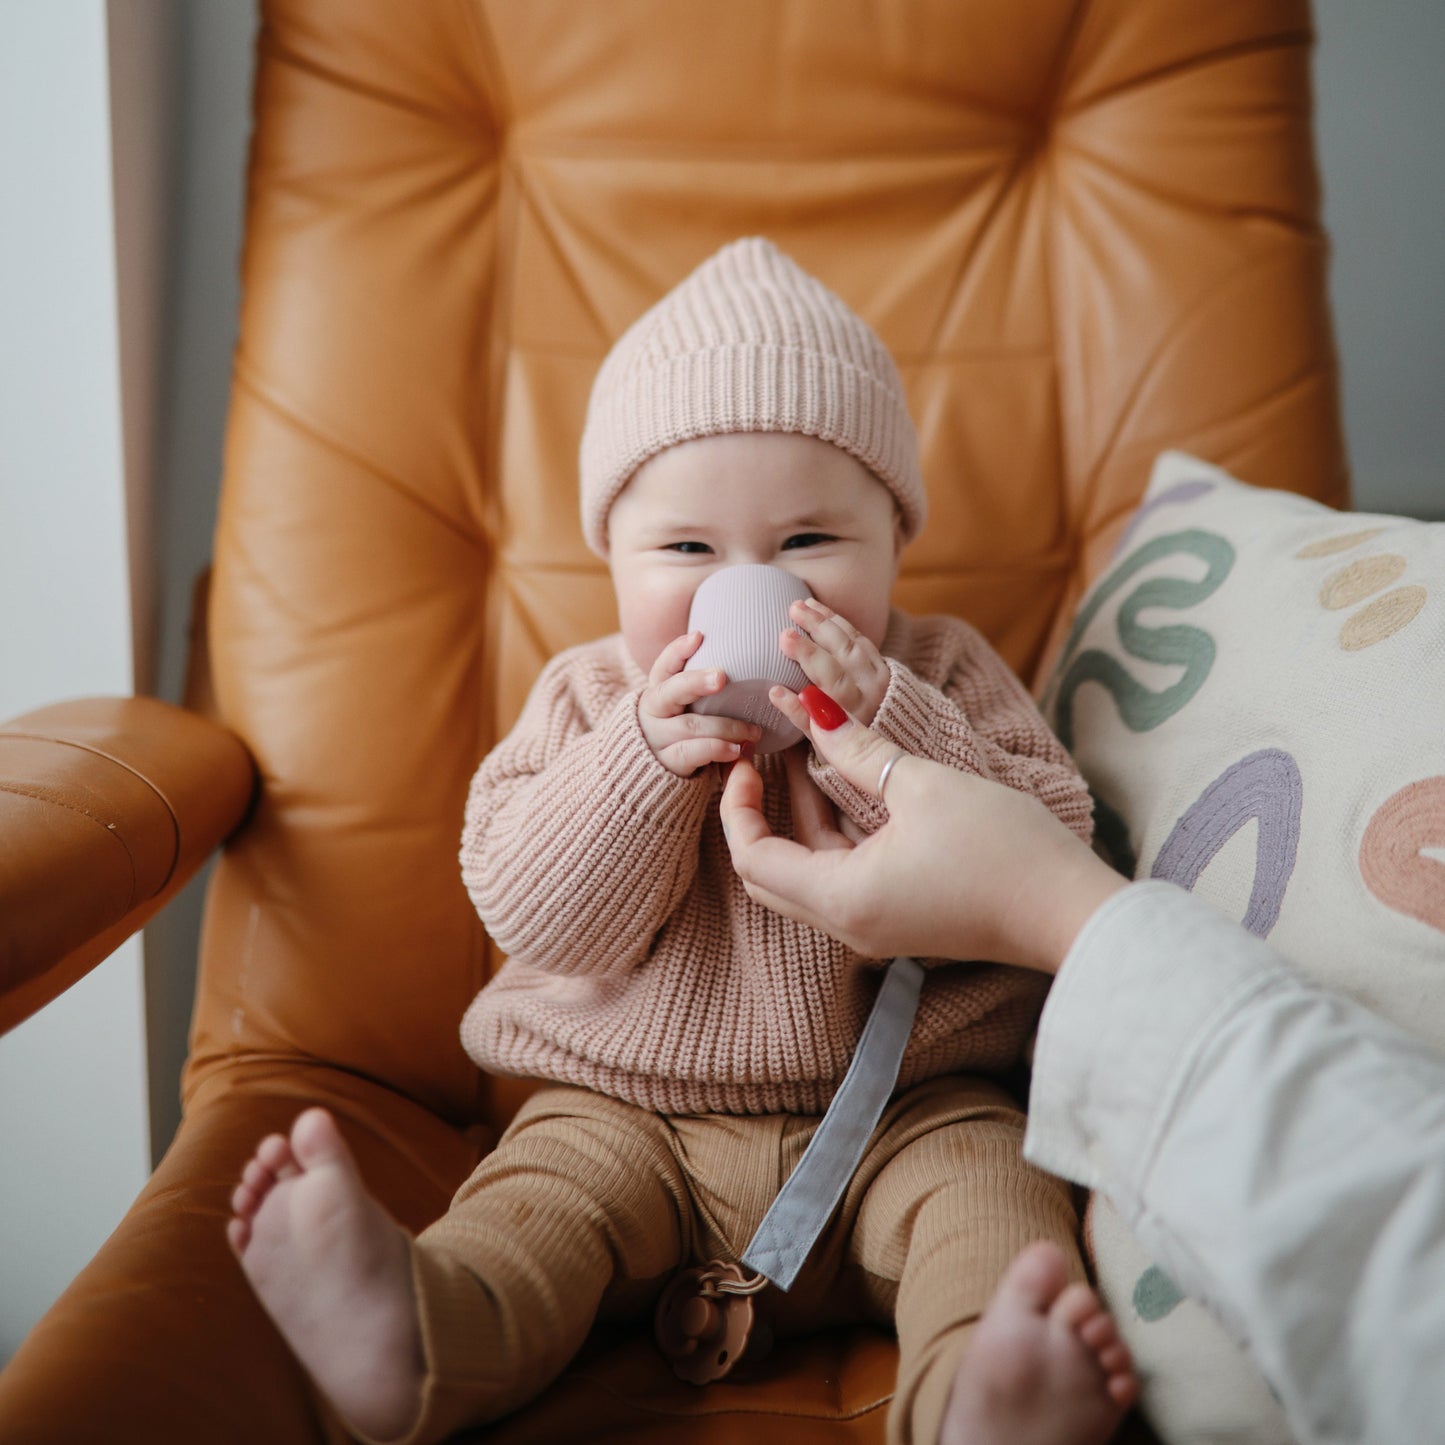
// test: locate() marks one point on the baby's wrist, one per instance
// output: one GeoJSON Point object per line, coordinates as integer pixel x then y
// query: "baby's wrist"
{"type": "Point", "coordinates": [868, 711]}
{"type": "Point", "coordinates": [873, 702]}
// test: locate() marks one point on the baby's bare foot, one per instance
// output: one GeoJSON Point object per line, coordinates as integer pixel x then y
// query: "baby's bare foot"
{"type": "Point", "coordinates": [333, 1270]}
{"type": "Point", "coordinates": [1045, 1366]}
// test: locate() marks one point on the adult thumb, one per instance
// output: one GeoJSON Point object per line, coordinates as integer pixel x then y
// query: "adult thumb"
{"type": "Point", "coordinates": [854, 750]}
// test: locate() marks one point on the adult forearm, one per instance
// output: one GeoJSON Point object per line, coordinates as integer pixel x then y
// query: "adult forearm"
{"type": "Point", "coordinates": [1280, 1153]}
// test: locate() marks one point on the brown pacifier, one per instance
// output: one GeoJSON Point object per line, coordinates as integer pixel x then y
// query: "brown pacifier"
{"type": "Point", "coordinates": [705, 1318]}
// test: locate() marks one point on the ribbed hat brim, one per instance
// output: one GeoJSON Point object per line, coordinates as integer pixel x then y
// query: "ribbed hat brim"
{"type": "Point", "coordinates": [748, 343]}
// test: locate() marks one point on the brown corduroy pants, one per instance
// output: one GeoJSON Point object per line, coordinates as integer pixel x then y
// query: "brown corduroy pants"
{"type": "Point", "coordinates": [588, 1206]}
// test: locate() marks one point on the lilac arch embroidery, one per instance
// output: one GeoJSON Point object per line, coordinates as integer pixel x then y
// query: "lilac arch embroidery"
{"type": "Point", "coordinates": [1266, 786]}
{"type": "Point", "coordinates": [1179, 492]}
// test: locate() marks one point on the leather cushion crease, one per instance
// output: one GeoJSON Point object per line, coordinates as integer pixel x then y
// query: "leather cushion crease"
{"type": "Point", "coordinates": [1087, 229]}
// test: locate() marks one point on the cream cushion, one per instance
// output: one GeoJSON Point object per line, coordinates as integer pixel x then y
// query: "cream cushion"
{"type": "Point", "coordinates": [1255, 690]}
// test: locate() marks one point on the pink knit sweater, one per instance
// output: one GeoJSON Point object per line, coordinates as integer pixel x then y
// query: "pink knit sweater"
{"type": "Point", "coordinates": [638, 964]}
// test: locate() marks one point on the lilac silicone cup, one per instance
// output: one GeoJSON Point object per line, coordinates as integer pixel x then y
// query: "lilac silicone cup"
{"type": "Point", "coordinates": [740, 611]}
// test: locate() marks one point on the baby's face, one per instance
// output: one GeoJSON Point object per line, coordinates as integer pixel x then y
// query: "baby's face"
{"type": "Point", "coordinates": [765, 497]}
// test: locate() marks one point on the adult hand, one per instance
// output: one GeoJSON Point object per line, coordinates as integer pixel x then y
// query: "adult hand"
{"type": "Point", "coordinates": [964, 868]}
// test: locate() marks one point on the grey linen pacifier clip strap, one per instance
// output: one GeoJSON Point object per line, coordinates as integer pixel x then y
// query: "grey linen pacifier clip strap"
{"type": "Point", "coordinates": [806, 1202]}
{"type": "Point", "coordinates": [705, 1317]}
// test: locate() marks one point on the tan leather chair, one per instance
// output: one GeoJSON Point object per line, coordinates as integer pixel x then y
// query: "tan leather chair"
{"type": "Point", "coordinates": [1088, 229]}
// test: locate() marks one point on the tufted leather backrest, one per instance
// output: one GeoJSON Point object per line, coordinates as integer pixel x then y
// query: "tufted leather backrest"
{"type": "Point", "coordinates": [1088, 229]}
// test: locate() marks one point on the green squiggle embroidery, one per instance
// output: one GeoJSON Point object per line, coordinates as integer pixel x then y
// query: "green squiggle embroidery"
{"type": "Point", "coordinates": [1155, 1295]}
{"type": "Point", "coordinates": [1178, 645]}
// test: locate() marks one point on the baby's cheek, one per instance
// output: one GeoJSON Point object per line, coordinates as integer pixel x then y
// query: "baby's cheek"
{"type": "Point", "coordinates": [649, 624]}
{"type": "Point", "coordinates": [868, 614]}
{"type": "Point", "coordinates": [644, 642]}
{"type": "Point", "coordinates": [875, 624]}
{"type": "Point", "coordinates": [859, 588]}
{"type": "Point", "coordinates": [873, 608]}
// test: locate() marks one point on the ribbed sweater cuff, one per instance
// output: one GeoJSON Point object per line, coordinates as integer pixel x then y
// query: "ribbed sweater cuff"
{"type": "Point", "coordinates": [633, 771]}
{"type": "Point", "coordinates": [921, 721]}
{"type": "Point", "coordinates": [454, 1391]}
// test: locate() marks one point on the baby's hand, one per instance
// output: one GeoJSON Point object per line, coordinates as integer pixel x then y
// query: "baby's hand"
{"type": "Point", "coordinates": [837, 658]}
{"type": "Point", "coordinates": [686, 741]}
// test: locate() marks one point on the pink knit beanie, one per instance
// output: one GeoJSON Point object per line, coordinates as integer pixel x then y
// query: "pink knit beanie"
{"type": "Point", "coordinates": [748, 342]}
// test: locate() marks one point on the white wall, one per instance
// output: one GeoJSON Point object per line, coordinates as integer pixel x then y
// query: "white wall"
{"type": "Point", "coordinates": [73, 1111]}
{"type": "Point", "coordinates": [215, 41]}
{"type": "Point", "coordinates": [123, 129]}
{"type": "Point", "coordinates": [1381, 128]}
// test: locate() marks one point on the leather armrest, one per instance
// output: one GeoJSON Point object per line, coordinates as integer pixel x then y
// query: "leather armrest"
{"type": "Point", "coordinates": [107, 807]}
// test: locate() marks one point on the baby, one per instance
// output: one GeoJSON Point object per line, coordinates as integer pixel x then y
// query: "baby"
{"type": "Point", "coordinates": [691, 1039]}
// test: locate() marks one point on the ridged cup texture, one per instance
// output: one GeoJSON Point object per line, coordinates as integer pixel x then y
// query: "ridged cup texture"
{"type": "Point", "coordinates": [740, 611]}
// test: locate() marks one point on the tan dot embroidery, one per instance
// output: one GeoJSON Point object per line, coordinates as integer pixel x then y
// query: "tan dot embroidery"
{"type": "Point", "coordinates": [1328, 546]}
{"type": "Point", "coordinates": [1360, 579]}
{"type": "Point", "coordinates": [1384, 617]}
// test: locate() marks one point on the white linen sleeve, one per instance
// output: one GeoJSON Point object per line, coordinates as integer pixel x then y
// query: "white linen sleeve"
{"type": "Point", "coordinates": [1278, 1150]}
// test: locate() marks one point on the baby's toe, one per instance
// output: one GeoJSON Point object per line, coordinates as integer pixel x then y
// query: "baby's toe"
{"type": "Point", "coordinates": [1116, 1359]}
{"type": "Point", "coordinates": [1098, 1331]}
{"type": "Point", "coordinates": [258, 1176]}
{"type": "Point", "coordinates": [1036, 1277]}
{"type": "Point", "coordinates": [1076, 1305]}
{"type": "Point", "coordinates": [238, 1233]}
{"type": "Point", "coordinates": [274, 1152]}
{"type": "Point", "coordinates": [245, 1201]}
{"type": "Point", "coordinates": [1123, 1388]}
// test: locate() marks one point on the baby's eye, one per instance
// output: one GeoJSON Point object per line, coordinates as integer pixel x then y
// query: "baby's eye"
{"type": "Point", "coordinates": [806, 539]}
{"type": "Point", "coordinates": [691, 549]}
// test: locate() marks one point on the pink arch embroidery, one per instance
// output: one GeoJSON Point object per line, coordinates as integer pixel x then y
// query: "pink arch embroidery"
{"type": "Point", "coordinates": [1392, 864]}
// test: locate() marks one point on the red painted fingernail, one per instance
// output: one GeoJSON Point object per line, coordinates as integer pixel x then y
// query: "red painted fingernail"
{"type": "Point", "coordinates": [822, 709]}
{"type": "Point", "coordinates": [746, 750]}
